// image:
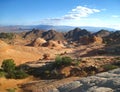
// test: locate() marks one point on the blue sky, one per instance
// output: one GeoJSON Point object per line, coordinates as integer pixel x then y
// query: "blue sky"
{"type": "Point", "coordinates": [99, 13]}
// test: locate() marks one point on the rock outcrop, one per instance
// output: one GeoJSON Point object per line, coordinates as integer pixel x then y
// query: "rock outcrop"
{"type": "Point", "coordinates": [38, 42]}
{"type": "Point", "coordinates": [97, 39]}
{"type": "Point", "coordinates": [53, 35]}
{"type": "Point", "coordinates": [75, 34]}
{"type": "Point", "coordinates": [103, 82]}
{"type": "Point", "coordinates": [53, 44]}
{"type": "Point", "coordinates": [32, 35]}
{"type": "Point", "coordinates": [113, 38]}
{"type": "Point", "coordinates": [90, 39]}
{"type": "Point", "coordinates": [47, 35]}
{"type": "Point", "coordinates": [102, 33]}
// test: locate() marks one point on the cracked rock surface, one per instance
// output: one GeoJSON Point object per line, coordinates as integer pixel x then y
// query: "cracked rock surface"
{"type": "Point", "coordinates": [103, 82]}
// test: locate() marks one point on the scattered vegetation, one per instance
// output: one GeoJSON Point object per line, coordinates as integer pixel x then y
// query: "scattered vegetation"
{"type": "Point", "coordinates": [6, 35]}
{"type": "Point", "coordinates": [99, 59]}
{"type": "Point", "coordinates": [62, 67]}
{"type": "Point", "coordinates": [109, 67]}
{"type": "Point", "coordinates": [8, 65]}
{"type": "Point", "coordinates": [62, 61]}
{"type": "Point", "coordinates": [11, 90]}
{"type": "Point", "coordinates": [2, 73]}
{"type": "Point", "coordinates": [9, 70]}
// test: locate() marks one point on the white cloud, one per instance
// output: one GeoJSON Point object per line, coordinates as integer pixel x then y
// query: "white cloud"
{"type": "Point", "coordinates": [80, 12]}
{"type": "Point", "coordinates": [115, 16]}
{"type": "Point", "coordinates": [75, 14]}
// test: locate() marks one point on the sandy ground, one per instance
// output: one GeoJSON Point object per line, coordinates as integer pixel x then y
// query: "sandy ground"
{"type": "Point", "coordinates": [22, 54]}
{"type": "Point", "coordinates": [12, 83]}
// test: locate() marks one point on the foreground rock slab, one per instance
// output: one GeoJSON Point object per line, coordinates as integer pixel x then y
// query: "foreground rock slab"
{"type": "Point", "coordinates": [103, 82]}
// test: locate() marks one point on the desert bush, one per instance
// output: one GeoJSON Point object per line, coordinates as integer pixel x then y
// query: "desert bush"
{"type": "Point", "coordinates": [8, 65]}
{"type": "Point", "coordinates": [10, 75]}
{"type": "Point", "coordinates": [11, 90]}
{"type": "Point", "coordinates": [10, 70]}
{"type": "Point", "coordinates": [109, 67]}
{"type": "Point", "coordinates": [62, 61]}
{"type": "Point", "coordinates": [20, 74]}
{"type": "Point", "coordinates": [2, 74]}
{"type": "Point", "coordinates": [77, 62]}
{"type": "Point", "coordinates": [6, 35]}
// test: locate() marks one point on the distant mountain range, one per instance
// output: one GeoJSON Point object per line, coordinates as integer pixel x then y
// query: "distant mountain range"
{"type": "Point", "coordinates": [75, 35]}
{"type": "Point", "coordinates": [19, 28]}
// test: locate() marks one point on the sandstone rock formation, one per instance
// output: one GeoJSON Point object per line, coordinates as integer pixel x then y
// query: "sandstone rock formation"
{"type": "Point", "coordinates": [102, 82]}
{"type": "Point", "coordinates": [102, 33]}
{"type": "Point", "coordinates": [91, 39]}
{"type": "Point", "coordinates": [47, 35]}
{"type": "Point", "coordinates": [113, 38]}
{"type": "Point", "coordinates": [52, 44]}
{"type": "Point", "coordinates": [38, 42]}
{"type": "Point", "coordinates": [53, 35]}
{"type": "Point", "coordinates": [75, 34]}
{"type": "Point", "coordinates": [4, 46]}
{"type": "Point", "coordinates": [97, 40]}
{"type": "Point", "coordinates": [32, 35]}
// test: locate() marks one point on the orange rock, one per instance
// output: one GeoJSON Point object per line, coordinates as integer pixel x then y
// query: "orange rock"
{"type": "Point", "coordinates": [38, 42]}
{"type": "Point", "coordinates": [52, 43]}
{"type": "Point", "coordinates": [66, 71]}
{"type": "Point", "coordinates": [92, 39]}
{"type": "Point", "coordinates": [97, 39]}
{"type": "Point", "coordinates": [46, 56]}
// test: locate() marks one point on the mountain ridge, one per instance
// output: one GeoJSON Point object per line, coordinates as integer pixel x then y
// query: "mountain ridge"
{"type": "Point", "coordinates": [19, 28]}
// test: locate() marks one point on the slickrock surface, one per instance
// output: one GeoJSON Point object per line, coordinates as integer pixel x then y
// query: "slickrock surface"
{"type": "Point", "coordinates": [102, 82]}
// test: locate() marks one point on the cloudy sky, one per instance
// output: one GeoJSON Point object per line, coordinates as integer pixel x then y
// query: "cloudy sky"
{"type": "Point", "coordinates": [98, 13]}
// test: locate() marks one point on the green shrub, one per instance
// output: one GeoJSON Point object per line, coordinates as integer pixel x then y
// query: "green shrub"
{"type": "Point", "coordinates": [10, 70]}
{"type": "Point", "coordinates": [62, 61]}
{"type": "Point", "coordinates": [11, 75]}
{"type": "Point", "coordinates": [109, 67]}
{"type": "Point", "coordinates": [2, 74]}
{"type": "Point", "coordinates": [66, 60]}
{"type": "Point", "coordinates": [6, 35]}
{"type": "Point", "coordinates": [77, 63]}
{"type": "Point", "coordinates": [8, 65]}
{"type": "Point", "coordinates": [11, 90]}
{"type": "Point", "coordinates": [20, 74]}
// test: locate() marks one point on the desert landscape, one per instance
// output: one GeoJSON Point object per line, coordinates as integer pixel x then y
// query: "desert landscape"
{"type": "Point", "coordinates": [59, 46]}
{"type": "Point", "coordinates": [37, 51]}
